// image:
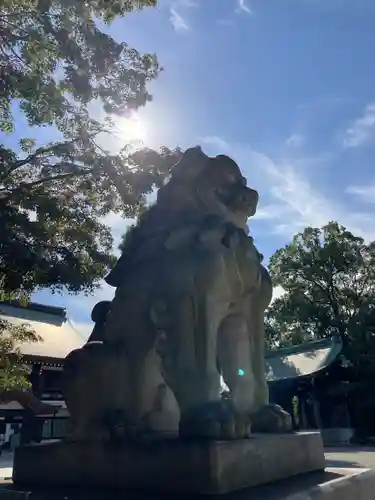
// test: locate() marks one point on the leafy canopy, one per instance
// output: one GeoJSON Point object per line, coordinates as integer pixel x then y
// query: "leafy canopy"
{"type": "Point", "coordinates": [55, 60]}
{"type": "Point", "coordinates": [58, 66]}
{"type": "Point", "coordinates": [61, 69]}
{"type": "Point", "coordinates": [13, 372]}
{"type": "Point", "coordinates": [51, 205]}
{"type": "Point", "coordinates": [328, 275]}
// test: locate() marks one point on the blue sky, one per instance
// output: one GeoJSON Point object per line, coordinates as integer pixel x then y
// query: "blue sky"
{"type": "Point", "coordinates": [286, 87]}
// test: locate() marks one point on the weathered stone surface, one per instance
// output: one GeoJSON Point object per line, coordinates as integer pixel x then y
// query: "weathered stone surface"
{"type": "Point", "coordinates": [171, 466]}
{"type": "Point", "coordinates": [191, 293]}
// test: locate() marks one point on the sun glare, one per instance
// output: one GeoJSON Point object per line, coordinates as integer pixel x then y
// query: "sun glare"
{"type": "Point", "coordinates": [131, 129]}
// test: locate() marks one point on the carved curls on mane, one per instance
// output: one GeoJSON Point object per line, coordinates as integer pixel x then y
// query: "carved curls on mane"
{"type": "Point", "coordinates": [158, 217]}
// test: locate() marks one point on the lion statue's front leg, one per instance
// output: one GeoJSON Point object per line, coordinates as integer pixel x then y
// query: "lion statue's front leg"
{"type": "Point", "coordinates": [266, 417]}
{"type": "Point", "coordinates": [192, 372]}
{"type": "Point", "coordinates": [241, 351]}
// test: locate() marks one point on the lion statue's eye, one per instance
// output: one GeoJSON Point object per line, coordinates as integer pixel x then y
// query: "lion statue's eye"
{"type": "Point", "coordinates": [224, 194]}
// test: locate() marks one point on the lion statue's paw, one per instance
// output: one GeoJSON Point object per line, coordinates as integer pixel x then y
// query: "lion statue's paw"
{"type": "Point", "coordinates": [217, 421]}
{"type": "Point", "coordinates": [271, 418]}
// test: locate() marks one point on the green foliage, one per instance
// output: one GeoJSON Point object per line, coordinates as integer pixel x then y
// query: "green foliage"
{"type": "Point", "coordinates": [328, 276]}
{"type": "Point", "coordinates": [54, 60]}
{"type": "Point", "coordinates": [51, 205]}
{"type": "Point", "coordinates": [57, 65]}
{"type": "Point", "coordinates": [27, 145]}
{"type": "Point", "coordinates": [13, 373]}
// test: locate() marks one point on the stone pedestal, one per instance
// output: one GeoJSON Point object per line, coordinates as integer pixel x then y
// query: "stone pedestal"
{"type": "Point", "coordinates": [170, 466]}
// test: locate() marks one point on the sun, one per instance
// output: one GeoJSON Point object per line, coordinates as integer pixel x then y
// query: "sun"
{"type": "Point", "coordinates": [131, 129]}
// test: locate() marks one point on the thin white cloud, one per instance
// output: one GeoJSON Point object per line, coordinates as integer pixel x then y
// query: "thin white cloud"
{"type": "Point", "coordinates": [310, 207]}
{"type": "Point", "coordinates": [177, 14]}
{"type": "Point", "coordinates": [298, 194]}
{"type": "Point", "coordinates": [215, 142]}
{"type": "Point", "coordinates": [179, 23]}
{"type": "Point", "coordinates": [362, 130]}
{"type": "Point", "coordinates": [293, 202]}
{"type": "Point", "coordinates": [364, 193]}
{"type": "Point", "coordinates": [294, 141]}
{"type": "Point", "coordinates": [270, 212]}
{"type": "Point", "coordinates": [243, 7]}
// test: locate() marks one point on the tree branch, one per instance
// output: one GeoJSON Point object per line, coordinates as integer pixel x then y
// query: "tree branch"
{"type": "Point", "coordinates": [27, 400]}
{"type": "Point", "coordinates": [46, 149]}
{"type": "Point", "coordinates": [4, 194]}
{"type": "Point", "coordinates": [113, 175]}
{"type": "Point", "coordinates": [15, 14]}
{"type": "Point", "coordinates": [15, 55]}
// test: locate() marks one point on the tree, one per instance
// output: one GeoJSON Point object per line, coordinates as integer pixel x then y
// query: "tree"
{"type": "Point", "coordinates": [328, 275]}
{"type": "Point", "coordinates": [56, 65]}
{"type": "Point", "coordinates": [51, 204]}
{"type": "Point", "coordinates": [13, 371]}
{"type": "Point", "coordinates": [54, 60]}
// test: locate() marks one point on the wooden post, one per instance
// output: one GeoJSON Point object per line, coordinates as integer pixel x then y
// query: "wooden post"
{"type": "Point", "coordinates": [316, 406]}
{"type": "Point", "coordinates": [302, 412]}
{"type": "Point", "coordinates": [30, 425]}
{"type": "Point", "coordinates": [35, 379]}
{"type": "Point", "coordinates": [27, 426]}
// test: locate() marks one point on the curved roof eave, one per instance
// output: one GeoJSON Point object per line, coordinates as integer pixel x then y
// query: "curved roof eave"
{"type": "Point", "coordinates": [58, 334]}
{"type": "Point", "coordinates": [303, 360]}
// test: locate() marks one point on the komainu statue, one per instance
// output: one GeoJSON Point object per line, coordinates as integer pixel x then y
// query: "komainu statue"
{"type": "Point", "coordinates": [189, 307]}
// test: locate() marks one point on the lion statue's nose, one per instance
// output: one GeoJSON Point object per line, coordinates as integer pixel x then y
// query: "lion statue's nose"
{"type": "Point", "coordinates": [250, 195]}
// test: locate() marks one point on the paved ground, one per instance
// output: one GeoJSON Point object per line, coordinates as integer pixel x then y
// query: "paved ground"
{"type": "Point", "coordinates": [6, 465]}
{"type": "Point", "coordinates": [343, 458]}
{"type": "Point", "coordinates": [351, 457]}
{"type": "Point", "coordinates": [336, 457]}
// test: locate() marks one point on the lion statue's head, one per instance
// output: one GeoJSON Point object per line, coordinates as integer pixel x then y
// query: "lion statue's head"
{"type": "Point", "coordinates": [199, 186]}
{"type": "Point", "coordinates": [208, 186]}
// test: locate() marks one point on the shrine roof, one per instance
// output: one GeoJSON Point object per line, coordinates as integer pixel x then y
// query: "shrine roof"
{"type": "Point", "coordinates": [302, 360]}
{"type": "Point", "coordinates": [58, 333]}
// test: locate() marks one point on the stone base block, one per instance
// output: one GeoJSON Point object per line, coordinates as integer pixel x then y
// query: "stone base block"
{"type": "Point", "coordinates": [171, 466]}
{"type": "Point", "coordinates": [337, 436]}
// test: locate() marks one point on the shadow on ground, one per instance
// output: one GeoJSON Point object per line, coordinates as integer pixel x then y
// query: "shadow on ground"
{"type": "Point", "coordinates": [342, 463]}
{"type": "Point", "coordinates": [272, 491]}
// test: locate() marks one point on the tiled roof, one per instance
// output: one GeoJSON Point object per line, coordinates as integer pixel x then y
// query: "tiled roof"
{"type": "Point", "coordinates": [58, 333]}
{"type": "Point", "coordinates": [302, 360]}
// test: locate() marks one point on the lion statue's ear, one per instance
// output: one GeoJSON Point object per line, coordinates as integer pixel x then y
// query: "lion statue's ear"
{"type": "Point", "coordinates": [227, 159]}
{"type": "Point", "coordinates": [229, 162]}
{"type": "Point", "coordinates": [191, 164]}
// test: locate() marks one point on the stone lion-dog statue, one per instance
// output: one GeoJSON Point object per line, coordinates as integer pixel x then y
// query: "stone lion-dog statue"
{"type": "Point", "coordinates": [188, 309]}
